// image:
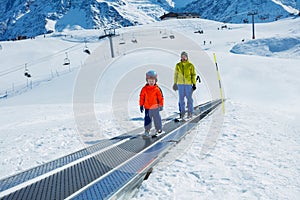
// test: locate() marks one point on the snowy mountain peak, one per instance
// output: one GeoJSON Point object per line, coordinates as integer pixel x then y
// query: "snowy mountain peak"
{"type": "Point", "coordinates": [30, 17]}
{"type": "Point", "coordinates": [236, 11]}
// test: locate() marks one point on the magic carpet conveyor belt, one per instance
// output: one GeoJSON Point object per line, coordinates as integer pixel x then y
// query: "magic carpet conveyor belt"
{"type": "Point", "coordinates": [105, 170]}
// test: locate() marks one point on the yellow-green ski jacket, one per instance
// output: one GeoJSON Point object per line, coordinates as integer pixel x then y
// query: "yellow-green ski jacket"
{"type": "Point", "coordinates": [185, 73]}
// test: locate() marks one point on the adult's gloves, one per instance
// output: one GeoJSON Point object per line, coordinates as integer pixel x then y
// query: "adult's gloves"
{"type": "Point", "coordinates": [194, 87]}
{"type": "Point", "coordinates": [175, 87]}
{"type": "Point", "coordinates": [160, 108]}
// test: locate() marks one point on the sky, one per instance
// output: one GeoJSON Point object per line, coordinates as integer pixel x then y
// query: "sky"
{"type": "Point", "coordinates": [255, 154]}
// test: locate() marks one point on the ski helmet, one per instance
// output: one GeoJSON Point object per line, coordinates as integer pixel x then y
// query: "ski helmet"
{"type": "Point", "coordinates": [151, 74]}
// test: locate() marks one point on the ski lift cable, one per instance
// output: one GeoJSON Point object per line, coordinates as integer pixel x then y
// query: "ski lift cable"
{"type": "Point", "coordinates": [43, 59]}
{"type": "Point", "coordinates": [72, 48]}
{"type": "Point", "coordinates": [13, 69]}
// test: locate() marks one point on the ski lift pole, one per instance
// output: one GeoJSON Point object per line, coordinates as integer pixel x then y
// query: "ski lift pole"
{"type": "Point", "coordinates": [252, 14]}
{"type": "Point", "coordinates": [220, 85]}
{"type": "Point", "coordinates": [110, 33]}
{"type": "Point", "coordinates": [111, 46]}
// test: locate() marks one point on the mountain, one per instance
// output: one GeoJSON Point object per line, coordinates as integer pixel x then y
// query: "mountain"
{"type": "Point", "coordinates": [35, 17]}
{"type": "Point", "coordinates": [236, 11]}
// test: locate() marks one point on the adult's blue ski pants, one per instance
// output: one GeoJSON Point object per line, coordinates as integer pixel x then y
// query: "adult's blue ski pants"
{"type": "Point", "coordinates": [185, 91]}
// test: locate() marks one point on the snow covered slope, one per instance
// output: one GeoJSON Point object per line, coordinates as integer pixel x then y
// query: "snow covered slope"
{"type": "Point", "coordinates": [257, 152]}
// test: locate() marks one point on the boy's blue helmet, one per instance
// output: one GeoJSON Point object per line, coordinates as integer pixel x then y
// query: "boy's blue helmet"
{"type": "Point", "coordinates": [151, 74]}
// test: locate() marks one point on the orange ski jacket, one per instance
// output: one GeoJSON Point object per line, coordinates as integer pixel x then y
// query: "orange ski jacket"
{"type": "Point", "coordinates": [151, 97]}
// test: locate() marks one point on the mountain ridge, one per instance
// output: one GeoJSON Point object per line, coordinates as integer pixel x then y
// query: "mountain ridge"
{"type": "Point", "coordinates": [30, 18]}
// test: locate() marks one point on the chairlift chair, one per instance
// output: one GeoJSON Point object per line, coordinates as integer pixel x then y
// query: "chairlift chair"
{"type": "Point", "coordinates": [26, 73]}
{"type": "Point", "coordinates": [164, 35]}
{"type": "Point", "coordinates": [122, 41]}
{"type": "Point", "coordinates": [86, 49]}
{"type": "Point", "coordinates": [66, 60]}
{"type": "Point", "coordinates": [133, 40]}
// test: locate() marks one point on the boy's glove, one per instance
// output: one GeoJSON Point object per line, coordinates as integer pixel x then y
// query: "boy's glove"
{"type": "Point", "coordinates": [160, 108]}
{"type": "Point", "coordinates": [175, 87]}
{"type": "Point", "coordinates": [142, 109]}
{"type": "Point", "coordinates": [194, 87]}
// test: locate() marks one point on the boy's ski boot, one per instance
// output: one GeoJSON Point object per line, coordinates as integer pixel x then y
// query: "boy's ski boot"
{"type": "Point", "coordinates": [147, 133]}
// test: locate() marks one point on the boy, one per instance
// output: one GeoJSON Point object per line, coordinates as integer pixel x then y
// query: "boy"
{"type": "Point", "coordinates": [152, 101]}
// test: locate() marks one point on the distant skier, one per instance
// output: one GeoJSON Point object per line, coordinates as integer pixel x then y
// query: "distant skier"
{"type": "Point", "coordinates": [152, 101]}
{"type": "Point", "coordinates": [185, 83]}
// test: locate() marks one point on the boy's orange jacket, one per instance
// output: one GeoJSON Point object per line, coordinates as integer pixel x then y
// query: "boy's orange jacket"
{"type": "Point", "coordinates": [151, 97]}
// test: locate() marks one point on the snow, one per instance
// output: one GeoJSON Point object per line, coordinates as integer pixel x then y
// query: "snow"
{"type": "Point", "coordinates": [288, 8]}
{"type": "Point", "coordinates": [73, 23]}
{"type": "Point", "coordinates": [246, 163]}
{"type": "Point", "coordinates": [256, 153]}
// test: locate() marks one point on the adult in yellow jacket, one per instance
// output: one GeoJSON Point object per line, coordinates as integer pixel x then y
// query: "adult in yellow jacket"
{"type": "Point", "coordinates": [185, 83]}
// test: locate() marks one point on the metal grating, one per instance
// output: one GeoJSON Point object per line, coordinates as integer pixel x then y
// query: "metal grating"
{"type": "Point", "coordinates": [42, 169]}
{"type": "Point", "coordinates": [119, 164]}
